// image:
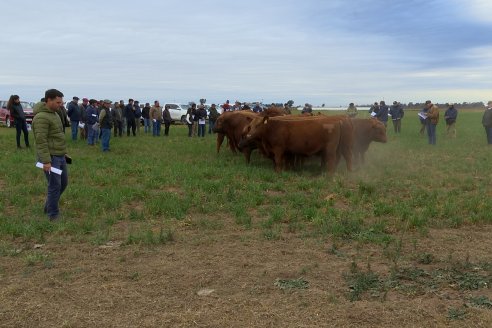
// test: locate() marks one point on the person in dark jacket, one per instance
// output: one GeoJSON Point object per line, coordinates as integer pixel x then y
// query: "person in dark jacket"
{"type": "Point", "coordinates": [450, 115]}
{"type": "Point", "coordinates": [189, 119]}
{"type": "Point", "coordinates": [396, 112]}
{"type": "Point", "coordinates": [118, 119]}
{"type": "Point", "coordinates": [83, 118]}
{"type": "Point", "coordinates": [62, 113]}
{"type": "Point", "coordinates": [166, 115]}
{"type": "Point", "coordinates": [487, 122]}
{"type": "Point", "coordinates": [17, 113]}
{"type": "Point", "coordinates": [130, 117]}
{"type": "Point", "coordinates": [138, 115]}
{"type": "Point", "coordinates": [146, 117]}
{"type": "Point", "coordinates": [194, 111]}
{"type": "Point", "coordinates": [106, 121]}
{"type": "Point", "coordinates": [73, 112]}
{"type": "Point", "coordinates": [202, 116]}
{"type": "Point", "coordinates": [212, 117]}
{"type": "Point", "coordinates": [382, 114]}
{"type": "Point", "coordinates": [92, 123]}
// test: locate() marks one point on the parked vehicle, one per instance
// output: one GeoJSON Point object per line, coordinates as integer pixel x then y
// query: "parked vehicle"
{"type": "Point", "coordinates": [9, 121]}
{"type": "Point", "coordinates": [177, 111]}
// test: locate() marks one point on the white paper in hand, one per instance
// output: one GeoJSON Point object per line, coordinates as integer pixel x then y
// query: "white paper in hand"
{"type": "Point", "coordinates": [53, 169]}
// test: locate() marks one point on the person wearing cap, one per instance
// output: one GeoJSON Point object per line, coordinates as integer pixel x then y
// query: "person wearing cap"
{"type": "Point", "coordinates": [487, 122]}
{"type": "Point", "coordinates": [352, 110]}
{"type": "Point", "coordinates": [155, 115]}
{"type": "Point", "coordinates": [382, 114]}
{"type": "Point", "coordinates": [118, 119]}
{"type": "Point", "coordinates": [146, 117]}
{"type": "Point", "coordinates": [396, 112]}
{"type": "Point", "coordinates": [166, 117]}
{"type": "Point", "coordinates": [212, 118]}
{"type": "Point", "coordinates": [202, 116]}
{"type": "Point", "coordinates": [83, 118]}
{"type": "Point", "coordinates": [106, 122]}
{"type": "Point", "coordinates": [91, 122]}
{"type": "Point", "coordinates": [432, 120]}
{"type": "Point", "coordinates": [130, 117]}
{"type": "Point", "coordinates": [450, 116]}
{"type": "Point", "coordinates": [138, 115]}
{"type": "Point", "coordinates": [73, 112]}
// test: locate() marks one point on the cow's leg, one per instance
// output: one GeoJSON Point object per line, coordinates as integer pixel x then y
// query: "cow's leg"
{"type": "Point", "coordinates": [347, 155]}
{"type": "Point", "coordinates": [247, 153]}
{"type": "Point", "coordinates": [278, 157]}
{"type": "Point", "coordinates": [331, 163]}
{"type": "Point", "coordinates": [220, 139]}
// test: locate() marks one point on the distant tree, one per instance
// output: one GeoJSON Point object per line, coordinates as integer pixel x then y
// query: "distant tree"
{"type": "Point", "coordinates": [323, 105]}
{"type": "Point", "coordinates": [203, 101]}
{"type": "Point", "coordinates": [290, 103]}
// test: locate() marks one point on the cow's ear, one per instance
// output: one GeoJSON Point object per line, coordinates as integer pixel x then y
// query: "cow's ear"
{"type": "Point", "coordinates": [265, 120]}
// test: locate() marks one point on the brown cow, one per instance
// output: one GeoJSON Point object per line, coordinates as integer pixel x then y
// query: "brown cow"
{"type": "Point", "coordinates": [231, 125]}
{"type": "Point", "coordinates": [366, 131]}
{"type": "Point", "coordinates": [346, 138]}
{"type": "Point", "coordinates": [303, 136]}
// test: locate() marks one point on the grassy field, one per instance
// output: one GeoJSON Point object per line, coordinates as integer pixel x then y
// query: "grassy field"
{"type": "Point", "coordinates": [166, 232]}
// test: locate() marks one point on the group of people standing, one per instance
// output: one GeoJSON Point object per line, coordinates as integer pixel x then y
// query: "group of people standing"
{"type": "Point", "coordinates": [196, 118]}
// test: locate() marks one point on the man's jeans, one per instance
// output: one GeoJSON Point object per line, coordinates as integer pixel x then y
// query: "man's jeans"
{"type": "Point", "coordinates": [75, 129]}
{"type": "Point", "coordinates": [431, 133]}
{"type": "Point", "coordinates": [146, 125]}
{"type": "Point", "coordinates": [105, 136]}
{"type": "Point", "coordinates": [92, 135]}
{"type": "Point", "coordinates": [488, 131]}
{"type": "Point", "coordinates": [156, 128]}
{"type": "Point", "coordinates": [201, 130]}
{"type": "Point", "coordinates": [56, 185]}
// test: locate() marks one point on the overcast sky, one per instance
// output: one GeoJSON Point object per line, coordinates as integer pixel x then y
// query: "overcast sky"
{"type": "Point", "coordinates": [330, 51]}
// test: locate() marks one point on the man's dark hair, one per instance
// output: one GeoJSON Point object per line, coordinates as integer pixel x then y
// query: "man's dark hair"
{"type": "Point", "coordinates": [52, 94]}
{"type": "Point", "coordinates": [130, 100]}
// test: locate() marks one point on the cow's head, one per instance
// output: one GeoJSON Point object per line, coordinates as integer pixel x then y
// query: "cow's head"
{"type": "Point", "coordinates": [219, 124]}
{"type": "Point", "coordinates": [378, 131]}
{"type": "Point", "coordinates": [254, 130]}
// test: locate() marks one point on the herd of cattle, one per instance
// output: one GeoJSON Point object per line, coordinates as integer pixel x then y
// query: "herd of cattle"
{"type": "Point", "coordinates": [288, 139]}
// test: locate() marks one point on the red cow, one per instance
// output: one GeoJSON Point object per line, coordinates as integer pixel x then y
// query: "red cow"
{"type": "Point", "coordinates": [305, 136]}
{"type": "Point", "coordinates": [366, 131]}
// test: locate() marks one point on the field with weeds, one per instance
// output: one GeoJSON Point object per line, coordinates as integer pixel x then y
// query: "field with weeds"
{"type": "Point", "coordinates": [165, 232]}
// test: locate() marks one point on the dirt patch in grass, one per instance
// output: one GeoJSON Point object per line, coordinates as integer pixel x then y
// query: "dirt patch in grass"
{"type": "Point", "coordinates": [234, 277]}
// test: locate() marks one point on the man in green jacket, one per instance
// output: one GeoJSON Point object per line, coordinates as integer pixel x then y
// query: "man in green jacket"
{"type": "Point", "coordinates": [51, 149]}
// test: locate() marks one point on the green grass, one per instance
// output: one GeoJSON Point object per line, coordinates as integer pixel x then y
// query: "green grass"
{"type": "Point", "coordinates": [150, 182]}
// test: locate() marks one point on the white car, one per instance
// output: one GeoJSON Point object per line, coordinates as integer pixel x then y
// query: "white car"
{"type": "Point", "coordinates": [177, 111]}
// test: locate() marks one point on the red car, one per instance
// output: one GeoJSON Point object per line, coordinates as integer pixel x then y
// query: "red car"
{"type": "Point", "coordinates": [9, 121]}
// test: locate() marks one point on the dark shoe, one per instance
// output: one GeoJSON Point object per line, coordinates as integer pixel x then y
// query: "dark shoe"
{"type": "Point", "coordinates": [19, 147]}
{"type": "Point", "coordinates": [53, 218]}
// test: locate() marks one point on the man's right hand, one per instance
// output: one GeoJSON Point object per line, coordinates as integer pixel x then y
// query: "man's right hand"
{"type": "Point", "coordinates": [46, 167]}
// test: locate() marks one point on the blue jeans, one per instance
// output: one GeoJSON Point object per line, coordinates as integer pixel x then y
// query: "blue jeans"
{"type": "Point", "coordinates": [211, 125]}
{"type": "Point", "coordinates": [21, 126]}
{"type": "Point", "coordinates": [75, 129]}
{"type": "Point", "coordinates": [105, 136]}
{"type": "Point", "coordinates": [56, 185]}
{"type": "Point", "coordinates": [201, 130]}
{"type": "Point", "coordinates": [431, 133]}
{"type": "Point", "coordinates": [146, 125]}
{"type": "Point", "coordinates": [488, 131]}
{"type": "Point", "coordinates": [92, 135]}
{"type": "Point", "coordinates": [156, 128]}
